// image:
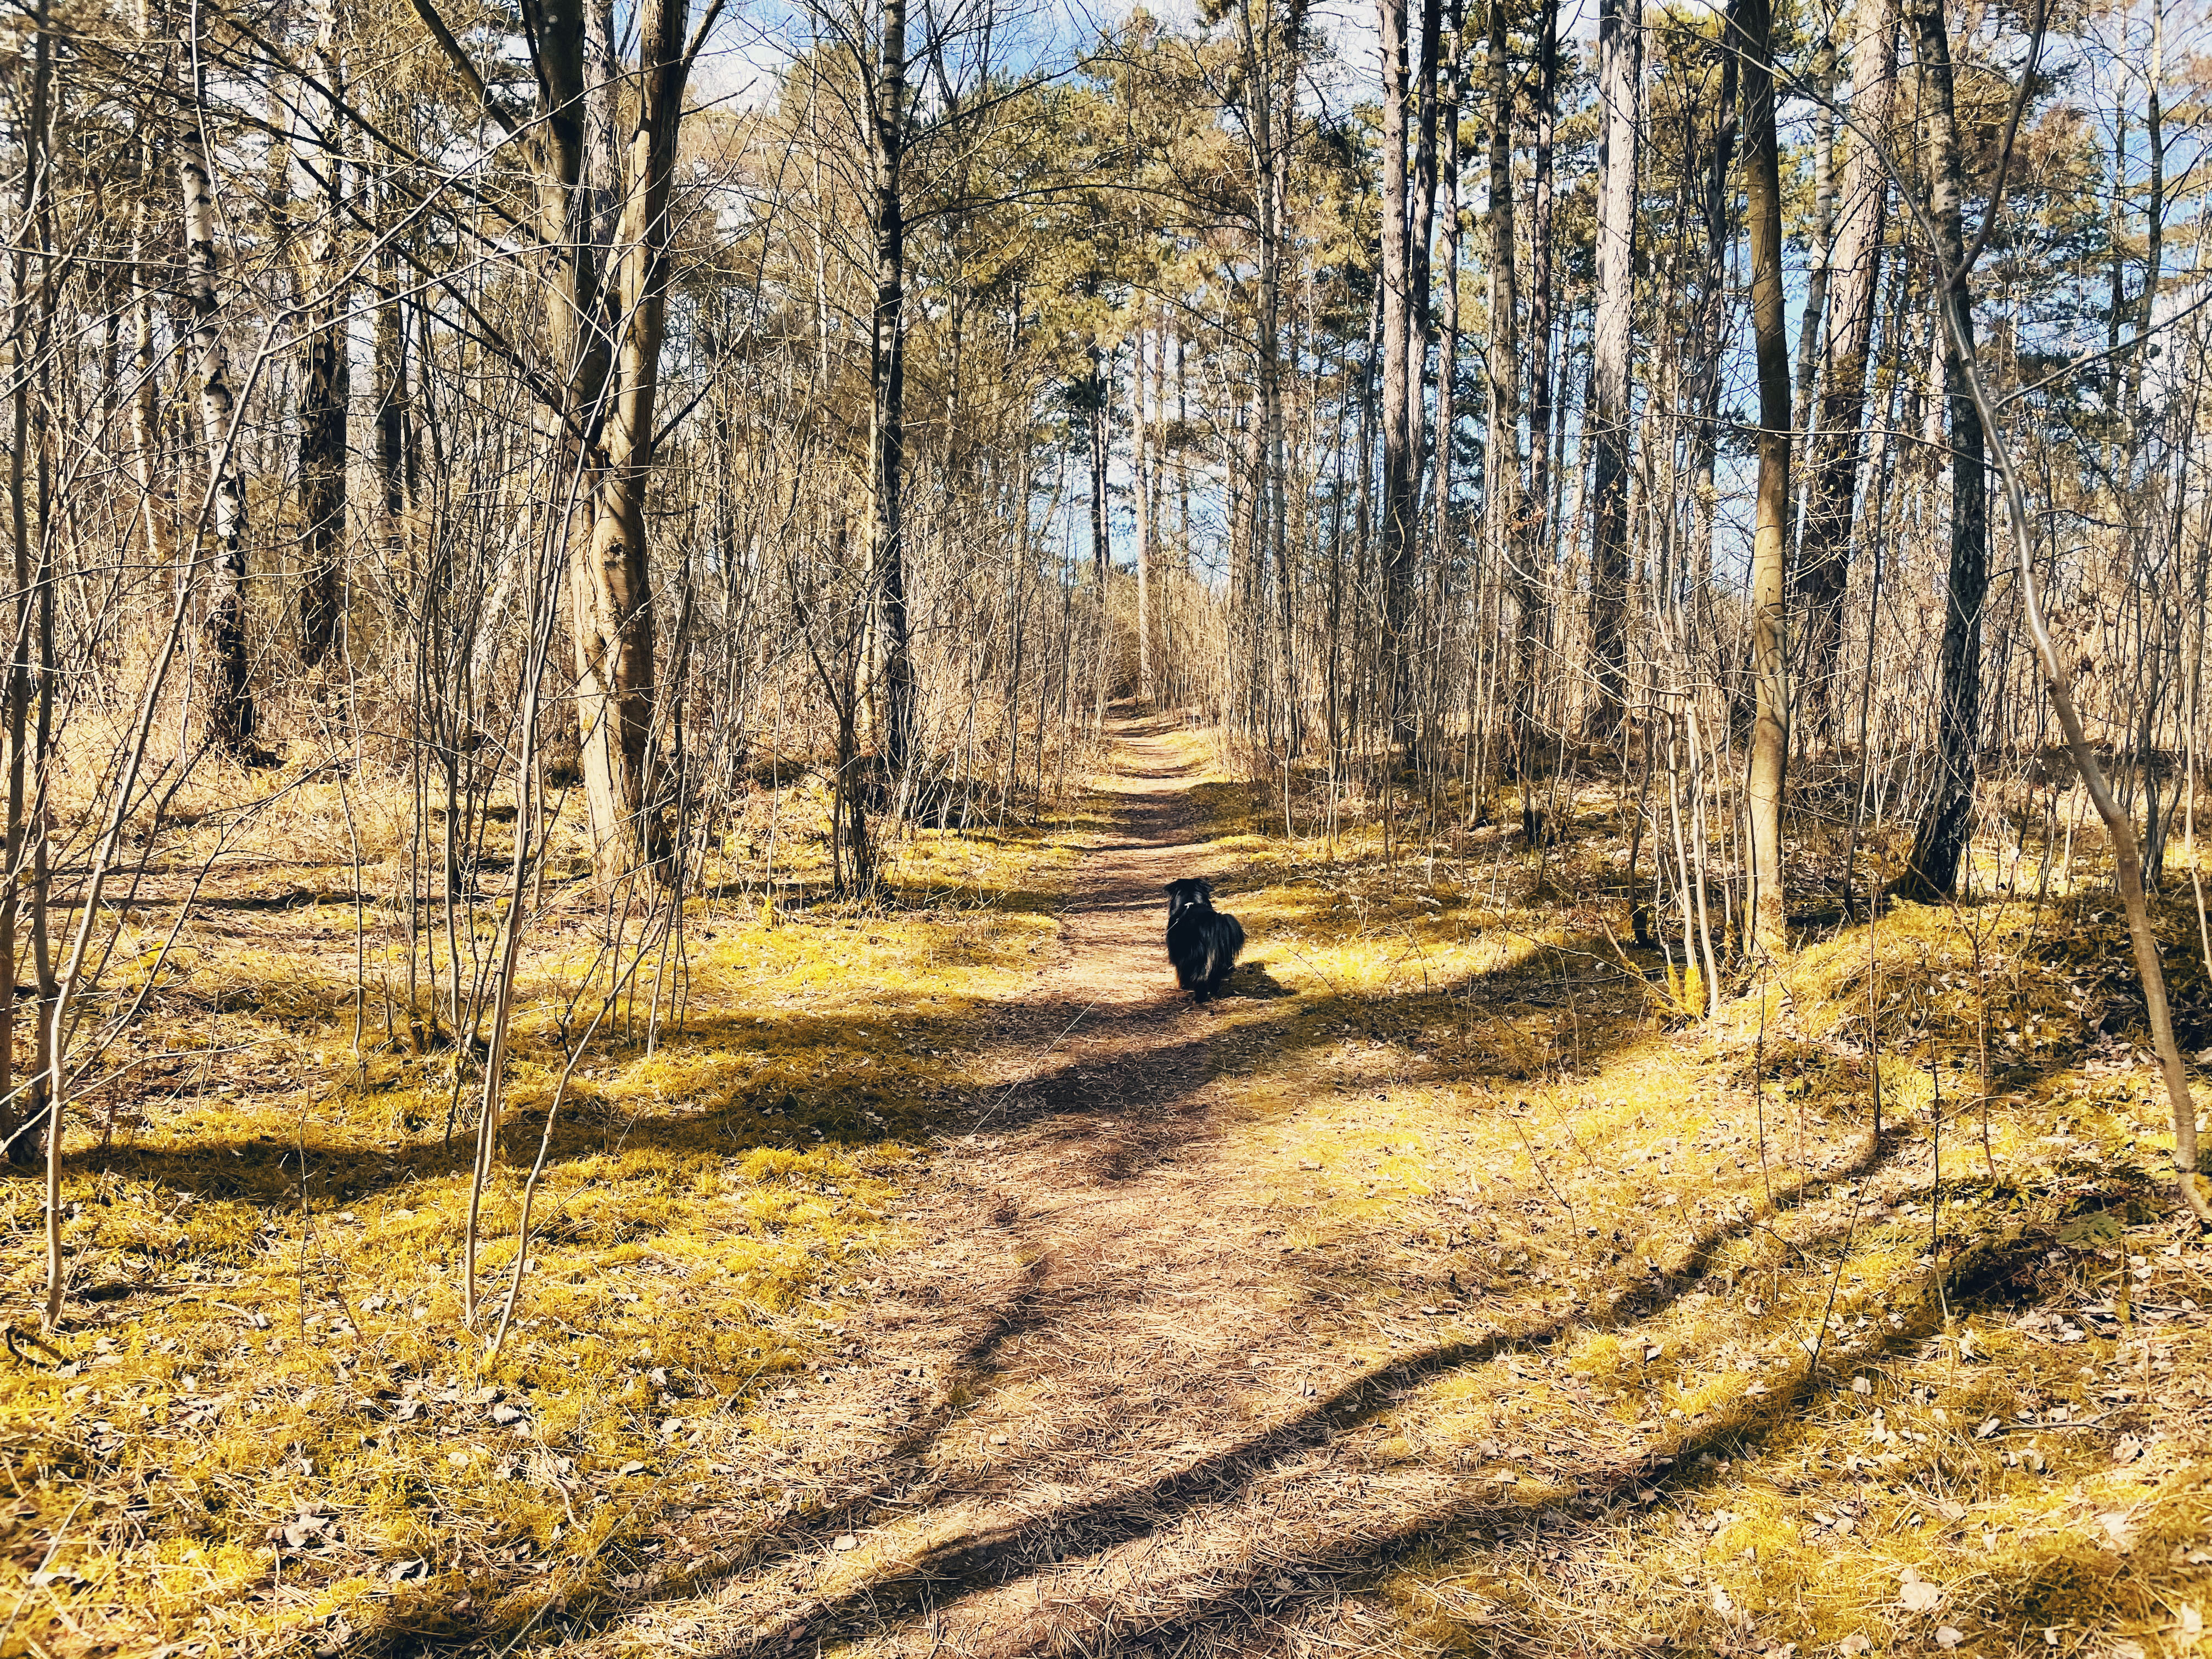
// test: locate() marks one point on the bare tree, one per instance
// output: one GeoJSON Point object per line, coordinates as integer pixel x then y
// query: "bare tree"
{"type": "Point", "coordinates": [1835, 448]}
{"type": "Point", "coordinates": [325, 388]}
{"type": "Point", "coordinates": [1620, 94]}
{"type": "Point", "coordinates": [1764, 922]}
{"type": "Point", "coordinates": [1947, 819]}
{"type": "Point", "coordinates": [232, 716]}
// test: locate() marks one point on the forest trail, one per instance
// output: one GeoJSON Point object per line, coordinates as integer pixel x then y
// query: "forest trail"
{"type": "Point", "coordinates": [1084, 1412]}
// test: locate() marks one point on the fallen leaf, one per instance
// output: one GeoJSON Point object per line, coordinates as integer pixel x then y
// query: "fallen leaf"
{"type": "Point", "coordinates": [847, 1542]}
{"type": "Point", "coordinates": [1994, 1426]}
{"type": "Point", "coordinates": [2192, 1622]}
{"type": "Point", "coordinates": [1949, 1636]}
{"type": "Point", "coordinates": [1860, 1385]}
{"type": "Point", "coordinates": [2120, 1527]}
{"type": "Point", "coordinates": [630, 1469]}
{"type": "Point", "coordinates": [1854, 1645]}
{"type": "Point", "coordinates": [2128, 1451]}
{"type": "Point", "coordinates": [1915, 1594]}
{"type": "Point", "coordinates": [404, 1570]}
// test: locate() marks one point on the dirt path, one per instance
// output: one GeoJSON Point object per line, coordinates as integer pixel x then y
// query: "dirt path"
{"type": "Point", "coordinates": [1083, 1415]}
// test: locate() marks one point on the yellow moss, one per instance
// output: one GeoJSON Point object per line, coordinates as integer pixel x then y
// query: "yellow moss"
{"type": "Point", "coordinates": [284, 1324]}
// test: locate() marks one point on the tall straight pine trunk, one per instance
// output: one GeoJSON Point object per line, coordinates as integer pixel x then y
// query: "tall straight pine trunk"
{"type": "Point", "coordinates": [1508, 515]}
{"type": "Point", "coordinates": [1540, 278]}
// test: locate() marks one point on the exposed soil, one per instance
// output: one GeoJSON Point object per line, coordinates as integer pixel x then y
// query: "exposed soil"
{"type": "Point", "coordinates": [1086, 1413]}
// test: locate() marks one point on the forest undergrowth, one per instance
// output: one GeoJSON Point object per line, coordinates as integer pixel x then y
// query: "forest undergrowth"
{"type": "Point", "coordinates": [1708, 1365]}
{"type": "Point", "coordinates": [1752, 1381]}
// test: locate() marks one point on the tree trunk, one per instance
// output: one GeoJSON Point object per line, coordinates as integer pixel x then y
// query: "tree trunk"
{"type": "Point", "coordinates": [21, 1125]}
{"type": "Point", "coordinates": [1539, 281]}
{"type": "Point", "coordinates": [1820, 258]}
{"type": "Point", "coordinates": [1419, 252]}
{"type": "Point", "coordinates": [887, 426]}
{"type": "Point", "coordinates": [323, 391]}
{"type": "Point", "coordinates": [1451, 68]}
{"type": "Point", "coordinates": [1396, 506]}
{"type": "Point", "coordinates": [610, 414]}
{"type": "Point", "coordinates": [1948, 820]}
{"type": "Point", "coordinates": [1704, 443]}
{"type": "Point", "coordinates": [145, 431]}
{"type": "Point", "coordinates": [231, 713]}
{"type": "Point", "coordinates": [1621, 91]}
{"type": "Point", "coordinates": [1101, 525]}
{"type": "Point", "coordinates": [1141, 464]}
{"type": "Point", "coordinates": [1764, 922]}
{"type": "Point", "coordinates": [1824, 565]}
{"type": "Point", "coordinates": [2146, 303]}
{"type": "Point", "coordinates": [1509, 517]}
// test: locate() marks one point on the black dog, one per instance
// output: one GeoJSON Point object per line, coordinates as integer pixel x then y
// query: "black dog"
{"type": "Point", "coordinates": [1202, 941]}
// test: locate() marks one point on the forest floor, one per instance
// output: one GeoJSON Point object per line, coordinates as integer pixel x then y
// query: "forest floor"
{"type": "Point", "coordinates": [955, 1287]}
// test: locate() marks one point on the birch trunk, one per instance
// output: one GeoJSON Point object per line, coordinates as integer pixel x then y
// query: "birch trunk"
{"type": "Point", "coordinates": [231, 713]}
{"type": "Point", "coordinates": [887, 424]}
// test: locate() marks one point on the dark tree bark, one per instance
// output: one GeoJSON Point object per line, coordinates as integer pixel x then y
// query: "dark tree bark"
{"type": "Point", "coordinates": [1765, 933]}
{"type": "Point", "coordinates": [1451, 70]}
{"type": "Point", "coordinates": [1421, 233]}
{"type": "Point", "coordinates": [1947, 821]}
{"type": "Point", "coordinates": [1540, 278]}
{"type": "Point", "coordinates": [887, 428]}
{"type": "Point", "coordinates": [1396, 513]}
{"type": "Point", "coordinates": [1621, 95]}
{"type": "Point", "coordinates": [324, 389]}
{"type": "Point", "coordinates": [1508, 515]}
{"type": "Point", "coordinates": [1095, 396]}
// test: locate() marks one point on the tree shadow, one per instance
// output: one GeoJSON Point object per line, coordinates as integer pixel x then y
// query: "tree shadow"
{"type": "Point", "coordinates": [1595, 1493]}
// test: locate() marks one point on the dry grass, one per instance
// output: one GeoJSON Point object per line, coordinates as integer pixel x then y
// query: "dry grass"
{"type": "Point", "coordinates": [1450, 1294]}
{"type": "Point", "coordinates": [1752, 1377]}
{"type": "Point", "coordinates": [263, 1423]}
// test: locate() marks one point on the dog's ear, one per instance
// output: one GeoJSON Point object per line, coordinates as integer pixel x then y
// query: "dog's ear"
{"type": "Point", "coordinates": [1169, 889]}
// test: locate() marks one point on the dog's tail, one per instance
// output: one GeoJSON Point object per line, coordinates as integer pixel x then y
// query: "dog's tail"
{"type": "Point", "coordinates": [1222, 942]}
